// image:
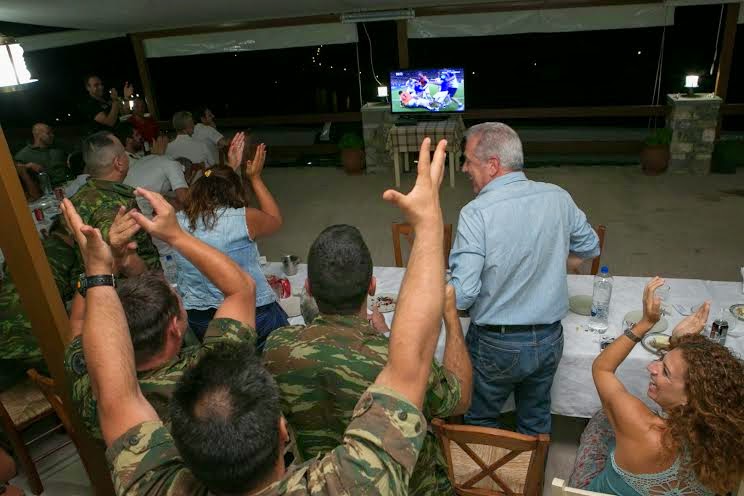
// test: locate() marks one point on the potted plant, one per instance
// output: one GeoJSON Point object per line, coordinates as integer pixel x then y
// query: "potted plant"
{"type": "Point", "coordinates": [352, 153]}
{"type": "Point", "coordinates": [728, 155]}
{"type": "Point", "coordinates": [655, 153]}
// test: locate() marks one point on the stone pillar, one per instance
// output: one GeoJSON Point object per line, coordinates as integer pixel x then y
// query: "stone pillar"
{"type": "Point", "coordinates": [693, 121]}
{"type": "Point", "coordinates": [376, 123]}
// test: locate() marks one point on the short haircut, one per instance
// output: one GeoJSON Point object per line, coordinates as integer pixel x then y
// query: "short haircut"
{"type": "Point", "coordinates": [199, 112]}
{"type": "Point", "coordinates": [88, 76]}
{"type": "Point", "coordinates": [149, 304]}
{"type": "Point", "coordinates": [181, 120]}
{"type": "Point", "coordinates": [339, 268]}
{"type": "Point", "coordinates": [99, 151]}
{"type": "Point", "coordinates": [496, 139]}
{"type": "Point", "coordinates": [225, 416]}
{"type": "Point", "coordinates": [124, 131]}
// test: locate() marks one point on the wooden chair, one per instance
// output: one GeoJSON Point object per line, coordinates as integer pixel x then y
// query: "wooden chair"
{"type": "Point", "coordinates": [482, 461]}
{"type": "Point", "coordinates": [559, 488]}
{"type": "Point", "coordinates": [407, 231]}
{"type": "Point", "coordinates": [600, 230]}
{"type": "Point", "coordinates": [22, 406]}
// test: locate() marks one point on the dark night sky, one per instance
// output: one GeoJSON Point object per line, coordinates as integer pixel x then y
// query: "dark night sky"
{"type": "Point", "coordinates": [525, 70]}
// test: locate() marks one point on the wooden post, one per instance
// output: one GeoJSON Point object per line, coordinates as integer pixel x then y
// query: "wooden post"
{"type": "Point", "coordinates": [139, 54]}
{"type": "Point", "coordinates": [33, 278]}
{"type": "Point", "coordinates": [727, 50]}
{"type": "Point", "coordinates": [402, 43]}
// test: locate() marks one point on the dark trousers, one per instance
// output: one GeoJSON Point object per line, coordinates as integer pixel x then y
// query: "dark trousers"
{"type": "Point", "coordinates": [268, 318]}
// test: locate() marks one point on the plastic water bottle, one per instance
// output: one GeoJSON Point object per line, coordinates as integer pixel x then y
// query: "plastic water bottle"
{"type": "Point", "coordinates": [170, 270]}
{"type": "Point", "coordinates": [601, 301]}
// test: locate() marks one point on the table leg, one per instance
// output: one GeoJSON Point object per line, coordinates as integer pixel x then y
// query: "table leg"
{"type": "Point", "coordinates": [396, 163]}
{"type": "Point", "coordinates": [406, 167]}
{"type": "Point", "coordinates": [452, 169]}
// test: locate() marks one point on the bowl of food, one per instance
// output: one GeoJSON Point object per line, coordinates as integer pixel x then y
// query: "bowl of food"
{"type": "Point", "coordinates": [656, 342]}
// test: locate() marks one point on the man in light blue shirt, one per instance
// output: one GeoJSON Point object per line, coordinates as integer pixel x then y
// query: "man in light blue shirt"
{"type": "Point", "coordinates": [509, 270]}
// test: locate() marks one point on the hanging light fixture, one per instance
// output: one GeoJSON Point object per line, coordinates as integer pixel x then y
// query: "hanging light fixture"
{"type": "Point", "coordinates": [13, 72]}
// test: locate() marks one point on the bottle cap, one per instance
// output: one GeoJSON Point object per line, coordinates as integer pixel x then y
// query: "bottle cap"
{"type": "Point", "coordinates": [604, 270]}
{"type": "Point", "coordinates": [169, 257]}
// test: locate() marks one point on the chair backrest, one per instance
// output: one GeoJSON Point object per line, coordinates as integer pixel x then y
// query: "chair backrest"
{"type": "Point", "coordinates": [47, 387]}
{"type": "Point", "coordinates": [600, 230]}
{"type": "Point", "coordinates": [402, 229]}
{"type": "Point", "coordinates": [559, 488]}
{"type": "Point", "coordinates": [482, 461]}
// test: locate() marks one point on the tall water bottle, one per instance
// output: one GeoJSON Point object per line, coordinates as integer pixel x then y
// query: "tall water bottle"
{"type": "Point", "coordinates": [601, 301]}
{"type": "Point", "coordinates": [170, 270]}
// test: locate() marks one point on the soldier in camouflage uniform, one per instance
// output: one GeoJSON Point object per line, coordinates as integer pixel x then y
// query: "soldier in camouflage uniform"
{"type": "Point", "coordinates": [324, 368]}
{"type": "Point", "coordinates": [99, 199]}
{"type": "Point", "coordinates": [228, 433]}
{"type": "Point", "coordinates": [19, 350]}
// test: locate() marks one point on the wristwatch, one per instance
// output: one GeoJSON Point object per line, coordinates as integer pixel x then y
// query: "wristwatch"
{"type": "Point", "coordinates": [629, 333]}
{"type": "Point", "coordinates": [86, 282]}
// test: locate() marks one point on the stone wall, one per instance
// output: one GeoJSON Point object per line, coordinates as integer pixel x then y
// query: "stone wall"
{"type": "Point", "coordinates": [693, 121]}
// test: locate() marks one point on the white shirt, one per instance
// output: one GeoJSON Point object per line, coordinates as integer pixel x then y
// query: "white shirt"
{"type": "Point", "coordinates": [157, 173]}
{"type": "Point", "coordinates": [210, 137]}
{"type": "Point", "coordinates": [71, 187]}
{"type": "Point", "coordinates": [194, 150]}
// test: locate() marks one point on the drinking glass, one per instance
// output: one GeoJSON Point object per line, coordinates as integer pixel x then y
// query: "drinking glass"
{"type": "Point", "coordinates": [663, 293]}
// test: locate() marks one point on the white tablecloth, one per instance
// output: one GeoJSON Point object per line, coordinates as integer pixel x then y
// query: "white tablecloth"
{"type": "Point", "coordinates": [573, 392]}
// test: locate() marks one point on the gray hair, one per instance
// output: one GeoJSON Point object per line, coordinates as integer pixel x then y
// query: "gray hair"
{"type": "Point", "coordinates": [99, 151]}
{"type": "Point", "coordinates": [496, 139]}
{"type": "Point", "coordinates": [181, 120]}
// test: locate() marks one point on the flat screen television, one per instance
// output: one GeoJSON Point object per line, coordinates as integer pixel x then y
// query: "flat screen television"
{"type": "Point", "coordinates": [427, 90]}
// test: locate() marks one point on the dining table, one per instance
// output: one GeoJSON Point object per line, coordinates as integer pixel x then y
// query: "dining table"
{"type": "Point", "coordinates": [573, 393]}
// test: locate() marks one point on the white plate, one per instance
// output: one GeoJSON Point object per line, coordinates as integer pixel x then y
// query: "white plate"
{"type": "Point", "coordinates": [648, 342]}
{"type": "Point", "coordinates": [635, 316]}
{"type": "Point", "coordinates": [386, 301]}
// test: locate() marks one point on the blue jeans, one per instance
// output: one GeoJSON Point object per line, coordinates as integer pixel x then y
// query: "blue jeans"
{"type": "Point", "coordinates": [522, 362]}
{"type": "Point", "coordinates": [268, 318]}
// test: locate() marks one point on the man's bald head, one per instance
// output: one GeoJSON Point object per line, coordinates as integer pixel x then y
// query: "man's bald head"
{"type": "Point", "coordinates": [43, 135]}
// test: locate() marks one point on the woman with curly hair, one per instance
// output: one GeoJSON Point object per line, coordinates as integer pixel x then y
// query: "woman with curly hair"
{"type": "Point", "coordinates": [218, 214]}
{"type": "Point", "coordinates": [696, 445]}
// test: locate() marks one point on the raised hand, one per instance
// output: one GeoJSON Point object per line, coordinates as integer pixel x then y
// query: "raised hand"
{"type": "Point", "coordinates": [421, 204]}
{"type": "Point", "coordinates": [159, 145]}
{"type": "Point", "coordinates": [235, 152]}
{"type": "Point", "coordinates": [693, 324]}
{"type": "Point", "coordinates": [128, 90]}
{"type": "Point", "coordinates": [96, 254]}
{"type": "Point", "coordinates": [121, 232]}
{"type": "Point", "coordinates": [114, 94]}
{"type": "Point", "coordinates": [164, 224]}
{"type": "Point", "coordinates": [254, 167]}
{"type": "Point", "coordinates": [377, 320]}
{"type": "Point", "coordinates": [651, 302]}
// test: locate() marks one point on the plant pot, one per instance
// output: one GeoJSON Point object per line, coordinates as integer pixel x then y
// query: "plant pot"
{"type": "Point", "coordinates": [654, 159]}
{"type": "Point", "coordinates": [353, 161]}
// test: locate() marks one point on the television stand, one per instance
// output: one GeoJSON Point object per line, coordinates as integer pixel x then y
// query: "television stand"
{"type": "Point", "coordinates": [413, 119]}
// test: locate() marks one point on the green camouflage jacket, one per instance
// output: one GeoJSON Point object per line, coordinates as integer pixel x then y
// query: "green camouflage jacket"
{"type": "Point", "coordinates": [158, 384]}
{"type": "Point", "coordinates": [97, 202]}
{"type": "Point", "coordinates": [324, 368]}
{"type": "Point", "coordinates": [376, 457]}
{"type": "Point", "coordinates": [19, 350]}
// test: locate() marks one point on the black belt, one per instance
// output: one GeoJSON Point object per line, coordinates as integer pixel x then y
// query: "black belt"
{"type": "Point", "coordinates": [507, 329]}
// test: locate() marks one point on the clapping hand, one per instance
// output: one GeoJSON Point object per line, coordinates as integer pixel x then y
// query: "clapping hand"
{"type": "Point", "coordinates": [421, 204]}
{"type": "Point", "coordinates": [159, 145]}
{"type": "Point", "coordinates": [121, 232]}
{"type": "Point", "coordinates": [254, 167]}
{"type": "Point", "coordinates": [651, 302]}
{"type": "Point", "coordinates": [235, 152]}
{"type": "Point", "coordinates": [164, 224]}
{"type": "Point", "coordinates": [128, 90]}
{"type": "Point", "coordinates": [96, 254]}
{"type": "Point", "coordinates": [692, 324]}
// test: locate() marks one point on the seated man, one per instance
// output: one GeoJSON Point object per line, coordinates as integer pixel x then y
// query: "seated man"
{"type": "Point", "coordinates": [43, 155]}
{"type": "Point", "coordinates": [323, 368]}
{"type": "Point", "coordinates": [157, 323]}
{"type": "Point", "coordinates": [185, 145]}
{"type": "Point", "coordinates": [206, 132]}
{"type": "Point", "coordinates": [98, 201]}
{"type": "Point", "coordinates": [228, 433]}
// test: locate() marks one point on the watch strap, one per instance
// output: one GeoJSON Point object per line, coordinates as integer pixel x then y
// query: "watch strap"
{"type": "Point", "coordinates": [102, 280]}
{"type": "Point", "coordinates": [630, 335]}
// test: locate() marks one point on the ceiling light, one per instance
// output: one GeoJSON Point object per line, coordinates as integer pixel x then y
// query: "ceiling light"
{"type": "Point", "coordinates": [378, 15]}
{"type": "Point", "coordinates": [13, 72]}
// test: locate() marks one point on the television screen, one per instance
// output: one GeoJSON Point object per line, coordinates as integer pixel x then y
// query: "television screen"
{"type": "Point", "coordinates": [427, 90]}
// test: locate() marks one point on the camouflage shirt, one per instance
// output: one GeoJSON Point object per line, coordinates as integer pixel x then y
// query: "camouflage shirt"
{"type": "Point", "coordinates": [378, 452]}
{"type": "Point", "coordinates": [322, 370]}
{"type": "Point", "coordinates": [98, 202]}
{"type": "Point", "coordinates": [158, 384]}
{"type": "Point", "coordinates": [19, 349]}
